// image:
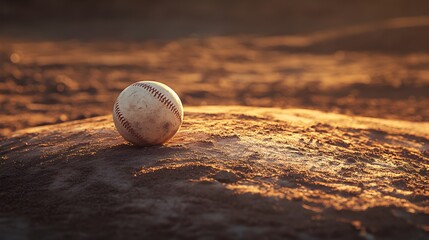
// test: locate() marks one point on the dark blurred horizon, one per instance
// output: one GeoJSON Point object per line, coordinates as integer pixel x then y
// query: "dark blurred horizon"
{"type": "Point", "coordinates": [151, 19]}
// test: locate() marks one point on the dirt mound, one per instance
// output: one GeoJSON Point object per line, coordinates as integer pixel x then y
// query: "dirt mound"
{"type": "Point", "coordinates": [231, 172]}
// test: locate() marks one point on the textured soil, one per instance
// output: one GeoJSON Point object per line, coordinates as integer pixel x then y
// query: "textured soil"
{"type": "Point", "coordinates": [230, 173]}
{"type": "Point", "coordinates": [51, 82]}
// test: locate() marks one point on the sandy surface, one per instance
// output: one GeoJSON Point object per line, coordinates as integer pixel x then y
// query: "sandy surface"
{"type": "Point", "coordinates": [368, 63]}
{"type": "Point", "coordinates": [231, 172]}
{"type": "Point", "coordinates": [50, 82]}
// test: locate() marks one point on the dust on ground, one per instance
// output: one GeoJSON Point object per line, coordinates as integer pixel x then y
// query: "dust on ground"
{"type": "Point", "coordinates": [50, 82]}
{"type": "Point", "coordinates": [68, 61]}
{"type": "Point", "coordinates": [231, 172]}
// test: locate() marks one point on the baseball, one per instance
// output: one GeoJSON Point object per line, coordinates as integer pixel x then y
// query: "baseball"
{"type": "Point", "coordinates": [148, 113]}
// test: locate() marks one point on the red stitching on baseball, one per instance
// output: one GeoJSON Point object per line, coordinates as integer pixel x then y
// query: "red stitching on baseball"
{"type": "Point", "coordinates": [161, 97]}
{"type": "Point", "coordinates": [126, 124]}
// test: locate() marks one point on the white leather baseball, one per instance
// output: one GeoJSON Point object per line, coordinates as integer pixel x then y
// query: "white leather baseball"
{"type": "Point", "coordinates": [148, 113]}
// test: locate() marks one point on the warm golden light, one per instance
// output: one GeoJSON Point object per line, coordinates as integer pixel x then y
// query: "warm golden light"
{"type": "Point", "coordinates": [302, 119]}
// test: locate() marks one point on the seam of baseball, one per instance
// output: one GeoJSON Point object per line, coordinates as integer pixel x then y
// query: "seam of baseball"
{"type": "Point", "coordinates": [161, 97]}
{"type": "Point", "coordinates": [124, 122]}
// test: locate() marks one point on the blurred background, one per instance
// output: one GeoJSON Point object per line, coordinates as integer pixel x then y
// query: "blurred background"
{"type": "Point", "coordinates": [68, 60]}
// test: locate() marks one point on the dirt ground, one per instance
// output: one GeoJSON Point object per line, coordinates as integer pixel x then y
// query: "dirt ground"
{"type": "Point", "coordinates": [67, 62]}
{"type": "Point", "coordinates": [40, 86]}
{"type": "Point", "coordinates": [302, 120]}
{"type": "Point", "coordinates": [230, 173]}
